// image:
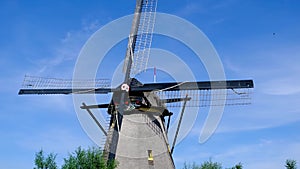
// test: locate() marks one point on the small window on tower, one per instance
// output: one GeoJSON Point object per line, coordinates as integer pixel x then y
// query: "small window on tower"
{"type": "Point", "coordinates": [150, 157]}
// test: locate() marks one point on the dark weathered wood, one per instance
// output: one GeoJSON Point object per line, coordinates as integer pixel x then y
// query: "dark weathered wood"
{"type": "Point", "coordinates": [64, 91]}
{"type": "Point", "coordinates": [208, 85]}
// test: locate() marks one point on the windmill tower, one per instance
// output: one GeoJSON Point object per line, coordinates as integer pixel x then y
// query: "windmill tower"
{"type": "Point", "coordinates": [137, 134]}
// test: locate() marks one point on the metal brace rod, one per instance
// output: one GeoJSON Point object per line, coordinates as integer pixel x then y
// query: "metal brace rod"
{"type": "Point", "coordinates": [179, 123]}
{"type": "Point", "coordinates": [168, 124]}
{"type": "Point", "coordinates": [95, 119]}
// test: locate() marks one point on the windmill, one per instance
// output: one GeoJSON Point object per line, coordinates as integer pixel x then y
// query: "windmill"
{"type": "Point", "coordinates": [137, 134]}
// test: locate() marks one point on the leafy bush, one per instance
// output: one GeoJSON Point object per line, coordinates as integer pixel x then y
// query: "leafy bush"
{"type": "Point", "coordinates": [91, 158]}
{"type": "Point", "coordinates": [209, 165]}
{"type": "Point", "coordinates": [45, 163]}
{"type": "Point", "coordinates": [291, 164]}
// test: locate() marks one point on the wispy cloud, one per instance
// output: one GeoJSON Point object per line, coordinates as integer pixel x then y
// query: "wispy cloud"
{"type": "Point", "coordinates": [256, 120]}
{"type": "Point", "coordinates": [64, 55]}
{"type": "Point", "coordinates": [275, 72]}
{"type": "Point", "coordinates": [283, 86]}
{"type": "Point", "coordinates": [191, 8]}
{"type": "Point", "coordinates": [56, 140]}
{"type": "Point", "coordinates": [204, 7]}
{"type": "Point", "coordinates": [279, 150]}
{"type": "Point", "coordinates": [256, 153]}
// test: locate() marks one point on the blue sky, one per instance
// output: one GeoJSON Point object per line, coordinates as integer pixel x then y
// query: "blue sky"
{"type": "Point", "coordinates": [255, 39]}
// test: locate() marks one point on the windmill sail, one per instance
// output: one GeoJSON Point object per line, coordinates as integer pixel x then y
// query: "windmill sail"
{"type": "Point", "coordinates": [206, 98]}
{"type": "Point", "coordinates": [202, 94]}
{"type": "Point", "coordinates": [144, 36]}
{"type": "Point", "coordinates": [140, 38]}
{"type": "Point", "coordinates": [42, 85]}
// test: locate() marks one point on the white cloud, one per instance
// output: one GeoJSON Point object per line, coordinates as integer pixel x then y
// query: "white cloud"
{"type": "Point", "coordinates": [191, 8]}
{"type": "Point", "coordinates": [61, 61]}
{"type": "Point", "coordinates": [266, 112]}
{"type": "Point", "coordinates": [285, 85]}
{"type": "Point", "coordinates": [196, 7]}
{"type": "Point", "coordinates": [256, 120]}
{"type": "Point", "coordinates": [58, 140]}
{"type": "Point", "coordinates": [265, 154]}
{"type": "Point", "coordinates": [256, 153]}
{"type": "Point", "coordinates": [276, 91]}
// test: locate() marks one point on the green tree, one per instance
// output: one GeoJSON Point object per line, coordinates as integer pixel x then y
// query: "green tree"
{"type": "Point", "coordinates": [291, 164]}
{"type": "Point", "coordinates": [190, 166]}
{"type": "Point", "coordinates": [44, 163]}
{"type": "Point", "coordinates": [211, 165]}
{"type": "Point", "coordinates": [237, 166]}
{"type": "Point", "coordinates": [91, 158]}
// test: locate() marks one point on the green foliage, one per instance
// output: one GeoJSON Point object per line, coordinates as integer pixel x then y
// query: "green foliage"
{"type": "Point", "coordinates": [237, 166]}
{"type": "Point", "coordinates": [190, 166]}
{"type": "Point", "coordinates": [291, 164]}
{"type": "Point", "coordinates": [91, 158]}
{"type": "Point", "coordinates": [211, 165]}
{"type": "Point", "coordinates": [206, 165]}
{"type": "Point", "coordinates": [44, 163]}
{"type": "Point", "coordinates": [87, 159]}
